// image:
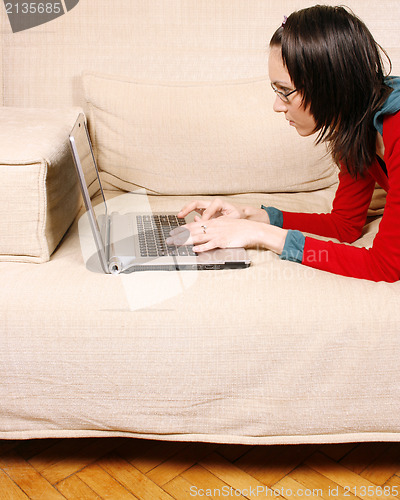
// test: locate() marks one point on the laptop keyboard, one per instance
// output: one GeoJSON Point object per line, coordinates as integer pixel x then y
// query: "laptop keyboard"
{"type": "Point", "coordinates": [152, 233]}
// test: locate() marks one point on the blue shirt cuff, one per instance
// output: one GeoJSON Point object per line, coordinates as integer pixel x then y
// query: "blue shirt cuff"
{"type": "Point", "coordinates": [294, 246]}
{"type": "Point", "coordinates": [275, 216]}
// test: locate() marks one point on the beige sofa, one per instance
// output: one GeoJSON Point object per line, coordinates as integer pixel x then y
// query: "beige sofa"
{"type": "Point", "coordinates": [178, 103]}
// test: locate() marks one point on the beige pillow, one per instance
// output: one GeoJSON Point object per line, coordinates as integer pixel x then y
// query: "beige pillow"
{"type": "Point", "coordinates": [39, 192]}
{"type": "Point", "coordinates": [199, 138]}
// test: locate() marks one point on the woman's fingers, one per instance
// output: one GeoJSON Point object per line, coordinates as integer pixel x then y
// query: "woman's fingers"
{"type": "Point", "coordinates": [179, 236]}
{"type": "Point", "coordinates": [202, 236]}
{"type": "Point", "coordinates": [189, 234]}
{"type": "Point", "coordinates": [195, 206]}
{"type": "Point", "coordinates": [206, 209]}
{"type": "Point", "coordinates": [207, 245]}
{"type": "Point", "coordinates": [214, 207]}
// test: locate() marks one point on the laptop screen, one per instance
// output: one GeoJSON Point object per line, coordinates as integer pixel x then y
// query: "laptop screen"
{"type": "Point", "coordinates": [89, 176]}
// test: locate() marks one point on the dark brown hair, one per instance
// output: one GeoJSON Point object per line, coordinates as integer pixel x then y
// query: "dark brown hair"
{"type": "Point", "coordinates": [335, 63]}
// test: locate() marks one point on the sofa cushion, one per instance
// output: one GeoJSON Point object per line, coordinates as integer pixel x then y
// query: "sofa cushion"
{"type": "Point", "coordinates": [276, 353]}
{"type": "Point", "coordinates": [199, 138]}
{"type": "Point", "coordinates": [38, 184]}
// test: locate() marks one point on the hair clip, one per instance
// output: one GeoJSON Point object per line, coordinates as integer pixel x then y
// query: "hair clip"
{"type": "Point", "coordinates": [284, 21]}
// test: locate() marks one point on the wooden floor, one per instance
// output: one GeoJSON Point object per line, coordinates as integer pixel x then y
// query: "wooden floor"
{"type": "Point", "coordinates": [128, 468]}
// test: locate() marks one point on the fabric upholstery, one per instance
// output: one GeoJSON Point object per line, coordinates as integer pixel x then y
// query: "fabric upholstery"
{"type": "Point", "coordinates": [38, 183]}
{"type": "Point", "coordinates": [276, 353]}
{"type": "Point", "coordinates": [199, 138]}
{"type": "Point", "coordinates": [178, 40]}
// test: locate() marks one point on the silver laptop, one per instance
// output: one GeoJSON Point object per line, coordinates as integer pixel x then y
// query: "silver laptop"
{"type": "Point", "coordinates": [136, 241]}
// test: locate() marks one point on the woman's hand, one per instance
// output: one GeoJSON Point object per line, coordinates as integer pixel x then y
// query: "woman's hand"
{"type": "Point", "coordinates": [220, 208]}
{"type": "Point", "coordinates": [211, 209]}
{"type": "Point", "coordinates": [228, 232]}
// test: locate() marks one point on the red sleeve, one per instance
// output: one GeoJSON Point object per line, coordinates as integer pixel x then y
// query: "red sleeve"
{"type": "Point", "coordinates": [349, 211]}
{"type": "Point", "coordinates": [382, 261]}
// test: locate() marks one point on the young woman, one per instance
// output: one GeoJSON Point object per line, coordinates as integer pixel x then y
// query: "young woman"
{"type": "Point", "coordinates": [327, 73]}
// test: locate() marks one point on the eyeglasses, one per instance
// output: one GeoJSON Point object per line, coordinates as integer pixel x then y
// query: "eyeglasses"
{"type": "Point", "coordinates": [284, 96]}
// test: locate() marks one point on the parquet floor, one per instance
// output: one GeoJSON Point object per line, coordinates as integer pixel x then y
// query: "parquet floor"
{"type": "Point", "coordinates": [119, 469]}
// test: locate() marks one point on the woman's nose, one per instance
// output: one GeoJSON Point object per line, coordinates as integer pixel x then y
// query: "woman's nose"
{"type": "Point", "coordinates": [279, 106]}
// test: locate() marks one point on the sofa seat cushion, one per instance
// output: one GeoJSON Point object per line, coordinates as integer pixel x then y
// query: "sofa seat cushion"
{"type": "Point", "coordinates": [38, 185]}
{"type": "Point", "coordinates": [199, 138]}
{"type": "Point", "coordinates": [260, 355]}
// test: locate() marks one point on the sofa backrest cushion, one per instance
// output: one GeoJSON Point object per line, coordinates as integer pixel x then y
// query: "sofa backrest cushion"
{"type": "Point", "coordinates": [199, 138]}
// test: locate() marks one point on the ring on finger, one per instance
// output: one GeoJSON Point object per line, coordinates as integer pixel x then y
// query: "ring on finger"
{"type": "Point", "coordinates": [204, 228]}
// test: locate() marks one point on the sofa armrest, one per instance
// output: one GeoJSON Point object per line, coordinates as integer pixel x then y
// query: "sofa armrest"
{"type": "Point", "coordinates": [38, 184]}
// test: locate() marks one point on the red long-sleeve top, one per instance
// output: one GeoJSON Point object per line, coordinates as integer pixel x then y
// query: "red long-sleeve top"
{"type": "Point", "coordinates": [381, 262]}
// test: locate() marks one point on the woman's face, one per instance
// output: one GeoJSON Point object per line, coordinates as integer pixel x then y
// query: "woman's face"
{"type": "Point", "coordinates": [295, 113]}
